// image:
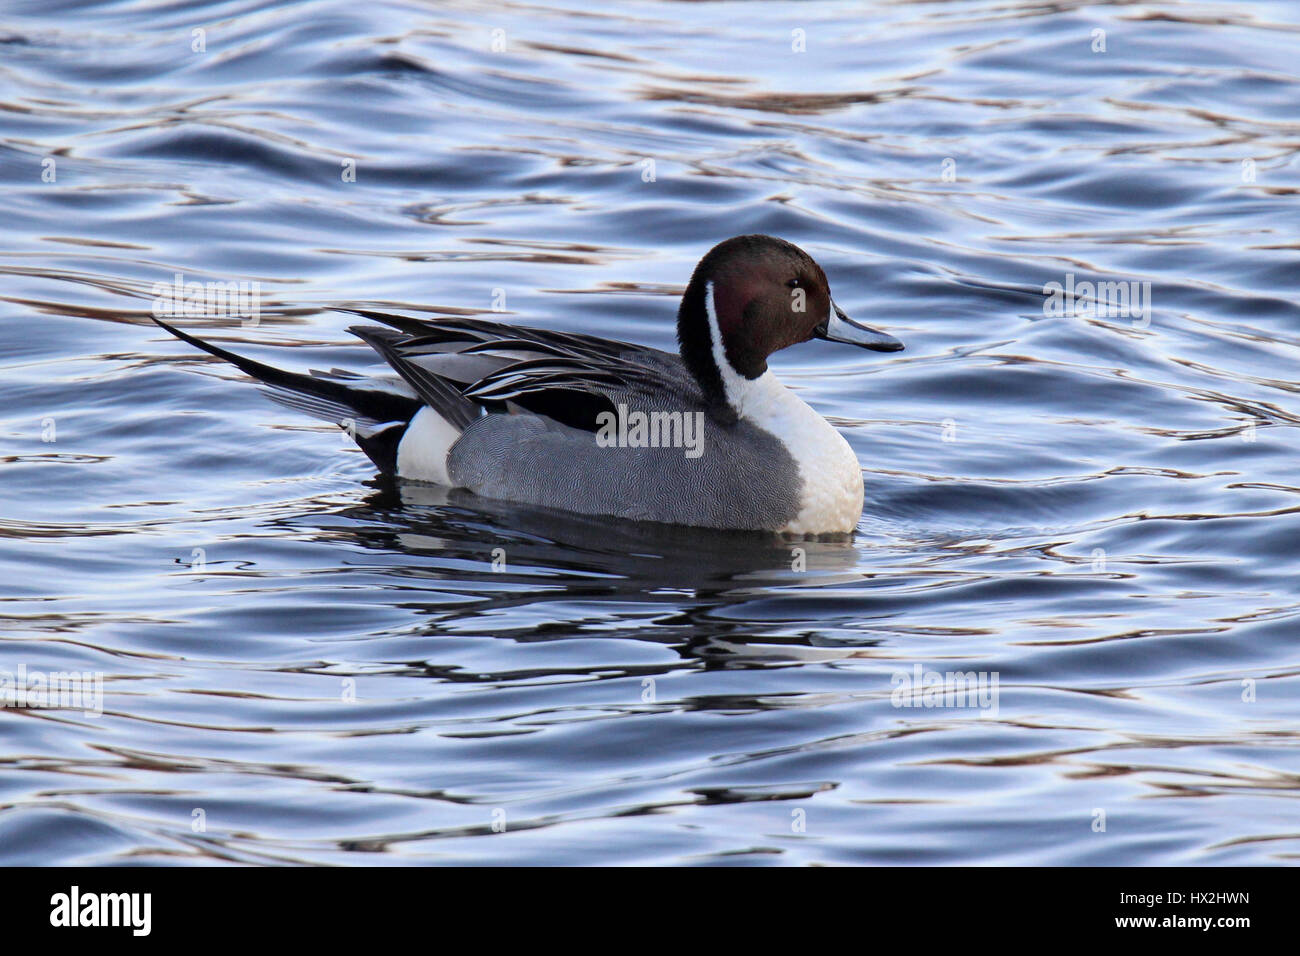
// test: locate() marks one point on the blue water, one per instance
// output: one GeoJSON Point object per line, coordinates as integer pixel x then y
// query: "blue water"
{"type": "Point", "coordinates": [301, 664]}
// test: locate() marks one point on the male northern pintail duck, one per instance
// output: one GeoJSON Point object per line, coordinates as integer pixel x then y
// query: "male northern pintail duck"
{"type": "Point", "coordinates": [709, 438]}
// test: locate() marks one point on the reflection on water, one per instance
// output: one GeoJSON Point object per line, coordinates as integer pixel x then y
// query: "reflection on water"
{"type": "Point", "coordinates": [302, 663]}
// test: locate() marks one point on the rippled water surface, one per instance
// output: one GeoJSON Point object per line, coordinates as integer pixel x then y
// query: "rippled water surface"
{"type": "Point", "coordinates": [1100, 509]}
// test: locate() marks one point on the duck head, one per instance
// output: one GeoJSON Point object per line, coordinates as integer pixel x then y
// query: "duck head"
{"type": "Point", "coordinates": [751, 296]}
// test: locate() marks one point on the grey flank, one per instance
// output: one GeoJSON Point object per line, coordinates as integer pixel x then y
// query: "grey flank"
{"type": "Point", "coordinates": [744, 478]}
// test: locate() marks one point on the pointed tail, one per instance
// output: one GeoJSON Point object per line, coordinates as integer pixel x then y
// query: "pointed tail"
{"type": "Point", "coordinates": [375, 417]}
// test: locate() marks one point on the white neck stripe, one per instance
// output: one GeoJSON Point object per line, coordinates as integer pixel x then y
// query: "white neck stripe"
{"type": "Point", "coordinates": [830, 478]}
{"type": "Point", "coordinates": [735, 387]}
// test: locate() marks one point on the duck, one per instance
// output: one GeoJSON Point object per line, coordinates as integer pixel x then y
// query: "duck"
{"type": "Point", "coordinates": [707, 438]}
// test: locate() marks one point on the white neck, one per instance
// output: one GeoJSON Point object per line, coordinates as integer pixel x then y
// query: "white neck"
{"type": "Point", "coordinates": [831, 478]}
{"type": "Point", "coordinates": [740, 392]}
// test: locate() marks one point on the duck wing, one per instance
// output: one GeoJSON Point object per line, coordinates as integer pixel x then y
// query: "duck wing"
{"type": "Point", "coordinates": [567, 376]}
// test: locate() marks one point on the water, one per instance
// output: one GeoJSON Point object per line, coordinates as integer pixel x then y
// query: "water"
{"type": "Point", "coordinates": [1100, 510]}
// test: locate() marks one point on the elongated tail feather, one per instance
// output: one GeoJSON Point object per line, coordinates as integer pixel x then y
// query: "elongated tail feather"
{"type": "Point", "coordinates": [376, 418]}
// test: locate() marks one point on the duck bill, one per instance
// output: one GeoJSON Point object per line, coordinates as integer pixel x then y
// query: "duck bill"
{"type": "Point", "coordinates": [838, 327]}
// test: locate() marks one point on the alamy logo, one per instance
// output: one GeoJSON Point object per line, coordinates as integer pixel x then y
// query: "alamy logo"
{"type": "Point", "coordinates": [1103, 300]}
{"type": "Point", "coordinates": [75, 908]}
{"type": "Point", "coordinates": [958, 689]}
{"type": "Point", "coordinates": [635, 429]}
{"type": "Point", "coordinates": [181, 299]}
{"type": "Point", "coordinates": [62, 690]}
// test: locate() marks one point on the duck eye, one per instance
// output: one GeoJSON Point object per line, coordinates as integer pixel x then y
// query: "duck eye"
{"type": "Point", "coordinates": [794, 283]}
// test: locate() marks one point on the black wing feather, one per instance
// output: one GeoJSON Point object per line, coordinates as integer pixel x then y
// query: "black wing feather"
{"type": "Point", "coordinates": [570, 380]}
{"type": "Point", "coordinates": [443, 396]}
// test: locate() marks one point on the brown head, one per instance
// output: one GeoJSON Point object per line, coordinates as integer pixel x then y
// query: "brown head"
{"type": "Point", "coordinates": [754, 295]}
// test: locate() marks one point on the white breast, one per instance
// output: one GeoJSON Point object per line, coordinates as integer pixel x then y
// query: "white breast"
{"type": "Point", "coordinates": [831, 480]}
{"type": "Point", "coordinates": [830, 499]}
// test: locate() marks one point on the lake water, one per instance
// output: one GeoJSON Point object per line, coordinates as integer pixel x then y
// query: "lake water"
{"type": "Point", "coordinates": [1096, 507]}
